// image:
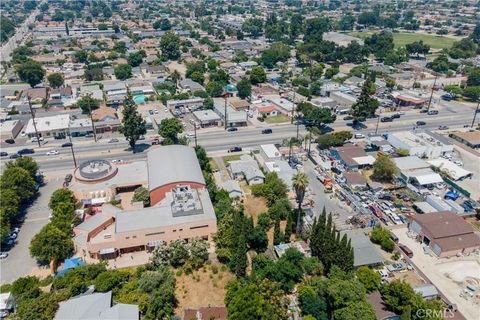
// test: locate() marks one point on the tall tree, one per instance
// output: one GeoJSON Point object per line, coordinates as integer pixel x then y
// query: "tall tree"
{"type": "Point", "coordinates": [51, 244]}
{"type": "Point", "coordinates": [244, 88]}
{"type": "Point", "coordinates": [299, 183]}
{"type": "Point", "coordinates": [169, 129]}
{"type": "Point", "coordinates": [18, 180]}
{"type": "Point", "coordinates": [55, 80]}
{"type": "Point", "coordinates": [365, 106]}
{"type": "Point", "coordinates": [87, 104]}
{"type": "Point", "coordinates": [123, 71]}
{"type": "Point", "coordinates": [31, 72]}
{"type": "Point", "coordinates": [133, 124]}
{"type": "Point", "coordinates": [170, 46]}
{"type": "Point", "coordinates": [239, 256]}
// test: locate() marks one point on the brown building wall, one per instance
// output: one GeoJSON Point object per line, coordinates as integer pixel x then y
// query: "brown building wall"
{"type": "Point", "coordinates": [158, 194]}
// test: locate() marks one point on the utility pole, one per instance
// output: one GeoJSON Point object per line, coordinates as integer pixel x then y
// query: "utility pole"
{"type": "Point", "coordinates": [475, 114]}
{"type": "Point", "coordinates": [225, 97]}
{"type": "Point", "coordinates": [378, 122]}
{"type": "Point", "coordinates": [431, 94]}
{"type": "Point", "coordinates": [89, 95]}
{"type": "Point", "coordinates": [33, 120]}
{"type": "Point", "coordinates": [293, 108]}
{"type": "Point", "coordinates": [71, 146]}
{"type": "Point", "coordinates": [195, 130]}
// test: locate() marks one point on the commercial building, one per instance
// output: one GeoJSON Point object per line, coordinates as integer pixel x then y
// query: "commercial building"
{"type": "Point", "coordinates": [449, 168]}
{"type": "Point", "coordinates": [445, 233]}
{"type": "Point", "coordinates": [10, 129]}
{"type": "Point", "coordinates": [233, 117]}
{"type": "Point", "coordinates": [180, 207]}
{"type": "Point", "coordinates": [470, 138]}
{"type": "Point", "coordinates": [352, 156]}
{"type": "Point", "coordinates": [59, 126]}
{"type": "Point", "coordinates": [364, 252]}
{"type": "Point", "coordinates": [207, 118]}
{"type": "Point", "coordinates": [193, 104]}
{"type": "Point", "coordinates": [416, 171]}
{"type": "Point", "coordinates": [423, 144]}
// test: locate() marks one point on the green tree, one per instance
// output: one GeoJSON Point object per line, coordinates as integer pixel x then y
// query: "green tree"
{"type": "Point", "coordinates": [51, 244]}
{"type": "Point", "coordinates": [110, 279]}
{"type": "Point", "coordinates": [311, 303]}
{"type": "Point", "coordinates": [244, 88]}
{"type": "Point", "coordinates": [42, 308]}
{"type": "Point", "coordinates": [473, 78]}
{"type": "Point", "coordinates": [123, 71]}
{"type": "Point", "coordinates": [178, 253]}
{"type": "Point", "coordinates": [299, 184]}
{"type": "Point", "coordinates": [382, 237]}
{"type": "Point", "coordinates": [18, 180]}
{"type": "Point", "coordinates": [277, 233]}
{"type": "Point", "coordinates": [197, 77]}
{"type": "Point", "coordinates": [198, 249]}
{"type": "Point", "coordinates": [25, 288]}
{"type": "Point", "coordinates": [26, 163]}
{"type": "Point", "coordinates": [169, 129]}
{"type": "Point", "coordinates": [61, 196]}
{"type": "Point", "coordinates": [239, 252]}
{"type": "Point", "coordinates": [384, 169]}
{"type": "Point", "coordinates": [31, 72]}
{"type": "Point", "coordinates": [141, 194]}
{"type": "Point", "coordinates": [63, 216]}
{"type": "Point", "coordinates": [87, 104]}
{"type": "Point", "coordinates": [365, 106]}
{"type": "Point", "coordinates": [355, 310]}
{"type": "Point", "coordinates": [55, 80]}
{"type": "Point", "coordinates": [336, 139]}
{"type": "Point", "coordinates": [453, 90]}
{"type": "Point", "coordinates": [258, 239]}
{"type": "Point", "coordinates": [133, 124]}
{"type": "Point", "coordinates": [135, 59]}
{"type": "Point", "coordinates": [370, 279]}
{"type": "Point", "coordinates": [258, 75]}
{"type": "Point", "coordinates": [214, 89]}
{"type": "Point", "coordinates": [473, 93]}
{"type": "Point", "coordinates": [170, 46]}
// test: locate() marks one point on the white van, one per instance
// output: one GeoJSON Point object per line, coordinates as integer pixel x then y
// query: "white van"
{"type": "Point", "coordinates": [359, 136]}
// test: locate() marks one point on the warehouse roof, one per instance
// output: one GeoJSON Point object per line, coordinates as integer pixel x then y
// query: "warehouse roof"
{"type": "Point", "coordinates": [171, 164]}
{"type": "Point", "coordinates": [364, 253]}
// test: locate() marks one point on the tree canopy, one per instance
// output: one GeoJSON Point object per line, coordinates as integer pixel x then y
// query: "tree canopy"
{"type": "Point", "coordinates": [133, 124]}
{"type": "Point", "coordinates": [31, 72]}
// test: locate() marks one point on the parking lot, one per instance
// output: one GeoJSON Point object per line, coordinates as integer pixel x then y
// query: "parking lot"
{"type": "Point", "coordinates": [450, 276]}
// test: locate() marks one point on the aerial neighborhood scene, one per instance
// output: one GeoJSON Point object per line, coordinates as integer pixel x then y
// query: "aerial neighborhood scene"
{"type": "Point", "coordinates": [243, 160]}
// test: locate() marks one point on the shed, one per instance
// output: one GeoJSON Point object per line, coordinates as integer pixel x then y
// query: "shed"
{"type": "Point", "coordinates": [427, 291]}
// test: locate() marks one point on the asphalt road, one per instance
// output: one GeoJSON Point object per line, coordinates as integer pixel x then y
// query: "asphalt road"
{"type": "Point", "coordinates": [19, 263]}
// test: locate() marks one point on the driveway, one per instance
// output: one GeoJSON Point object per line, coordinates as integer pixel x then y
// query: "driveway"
{"type": "Point", "coordinates": [19, 263]}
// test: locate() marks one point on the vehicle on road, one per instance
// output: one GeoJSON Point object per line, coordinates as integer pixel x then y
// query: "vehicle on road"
{"type": "Point", "coordinates": [3, 154]}
{"type": "Point", "coordinates": [447, 97]}
{"type": "Point", "coordinates": [3, 255]}
{"type": "Point", "coordinates": [14, 156]}
{"type": "Point", "coordinates": [52, 153]}
{"type": "Point", "coordinates": [420, 123]}
{"type": "Point", "coordinates": [232, 129]}
{"type": "Point", "coordinates": [113, 140]}
{"type": "Point", "coordinates": [396, 116]}
{"type": "Point", "coordinates": [359, 136]}
{"type": "Point", "coordinates": [25, 151]}
{"type": "Point", "coordinates": [67, 144]}
{"type": "Point", "coordinates": [89, 135]}
{"type": "Point", "coordinates": [386, 119]}
{"type": "Point", "coordinates": [432, 112]}
{"type": "Point", "coordinates": [235, 149]}
{"type": "Point", "coordinates": [443, 127]}
{"type": "Point", "coordinates": [267, 131]}
{"type": "Point", "coordinates": [190, 135]}
{"type": "Point", "coordinates": [406, 250]}
{"type": "Point", "coordinates": [34, 139]}
{"type": "Point", "coordinates": [348, 118]}
{"type": "Point", "coordinates": [10, 141]}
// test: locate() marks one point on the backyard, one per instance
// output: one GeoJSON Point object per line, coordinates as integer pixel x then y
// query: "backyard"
{"type": "Point", "coordinates": [402, 38]}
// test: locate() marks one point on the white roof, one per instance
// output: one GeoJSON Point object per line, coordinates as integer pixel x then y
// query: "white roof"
{"type": "Point", "coordinates": [270, 151]}
{"type": "Point", "coordinates": [424, 177]}
{"type": "Point", "coordinates": [453, 170]}
{"type": "Point", "coordinates": [364, 160]}
{"type": "Point", "coordinates": [52, 123]}
{"type": "Point", "coordinates": [5, 300]}
{"type": "Point", "coordinates": [410, 163]}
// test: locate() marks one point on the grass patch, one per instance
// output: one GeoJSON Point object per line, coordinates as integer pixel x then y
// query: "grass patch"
{"type": "Point", "coordinates": [281, 118]}
{"type": "Point", "coordinates": [213, 164]}
{"type": "Point", "coordinates": [232, 157]}
{"type": "Point", "coordinates": [400, 39]}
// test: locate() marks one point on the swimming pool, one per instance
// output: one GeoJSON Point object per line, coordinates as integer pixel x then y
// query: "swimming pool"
{"type": "Point", "coordinates": [139, 99]}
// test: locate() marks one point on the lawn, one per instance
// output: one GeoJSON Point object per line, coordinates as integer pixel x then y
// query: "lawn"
{"type": "Point", "coordinates": [402, 38]}
{"type": "Point", "coordinates": [230, 158]}
{"type": "Point", "coordinates": [205, 287]}
{"type": "Point", "coordinates": [277, 119]}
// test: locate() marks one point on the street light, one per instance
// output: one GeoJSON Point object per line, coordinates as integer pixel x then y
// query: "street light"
{"type": "Point", "coordinates": [431, 94]}
{"type": "Point", "coordinates": [71, 145]}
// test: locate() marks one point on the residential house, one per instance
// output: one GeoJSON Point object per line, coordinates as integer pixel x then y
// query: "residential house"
{"type": "Point", "coordinates": [352, 156]}
{"type": "Point", "coordinates": [246, 168]}
{"type": "Point", "coordinates": [189, 85]}
{"type": "Point", "coordinates": [60, 97]}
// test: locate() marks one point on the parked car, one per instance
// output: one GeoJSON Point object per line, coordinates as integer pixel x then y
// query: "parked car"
{"type": "Point", "coordinates": [406, 250]}
{"type": "Point", "coordinates": [447, 97]}
{"type": "Point", "coordinates": [25, 151]}
{"type": "Point", "coordinates": [386, 119]}
{"type": "Point", "coordinates": [113, 140]}
{"type": "Point", "coordinates": [359, 136]}
{"type": "Point", "coordinates": [34, 139]}
{"type": "Point", "coordinates": [443, 127]}
{"type": "Point", "coordinates": [3, 255]}
{"type": "Point", "coordinates": [190, 135]}
{"type": "Point", "coordinates": [10, 141]}
{"type": "Point", "coordinates": [235, 149]}
{"type": "Point", "coordinates": [68, 178]}
{"type": "Point", "coordinates": [66, 144]}
{"type": "Point", "coordinates": [14, 156]}
{"type": "Point", "coordinates": [432, 112]}
{"type": "Point", "coordinates": [266, 131]}
{"type": "Point", "coordinates": [421, 123]}
{"type": "Point", "coordinates": [396, 116]}
{"type": "Point", "coordinates": [231, 129]}
{"type": "Point", "coordinates": [52, 153]}
{"type": "Point", "coordinates": [3, 154]}
{"type": "Point", "coordinates": [394, 237]}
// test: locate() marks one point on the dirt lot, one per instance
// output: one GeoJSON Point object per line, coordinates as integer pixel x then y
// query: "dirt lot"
{"type": "Point", "coordinates": [474, 222]}
{"type": "Point", "coordinates": [201, 288]}
{"type": "Point", "coordinates": [409, 277]}
{"type": "Point", "coordinates": [254, 206]}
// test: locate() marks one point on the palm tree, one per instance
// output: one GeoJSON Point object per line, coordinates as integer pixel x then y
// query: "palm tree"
{"type": "Point", "coordinates": [300, 183]}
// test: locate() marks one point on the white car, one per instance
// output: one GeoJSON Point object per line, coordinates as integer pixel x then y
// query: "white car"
{"type": "Point", "coordinates": [458, 163]}
{"type": "Point", "coordinates": [34, 139]}
{"type": "Point", "coordinates": [52, 153]}
{"type": "Point", "coordinates": [190, 135]}
{"type": "Point", "coordinates": [3, 255]}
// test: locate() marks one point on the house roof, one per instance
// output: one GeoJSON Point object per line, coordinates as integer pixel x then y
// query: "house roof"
{"type": "Point", "coordinates": [355, 178]}
{"type": "Point", "coordinates": [103, 112]}
{"type": "Point", "coordinates": [350, 151]}
{"type": "Point", "coordinates": [410, 163]}
{"type": "Point", "coordinates": [120, 311]}
{"type": "Point", "coordinates": [205, 313]}
{"type": "Point", "coordinates": [426, 290]}
{"type": "Point", "coordinates": [364, 253]}
{"type": "Point", "coordinates": [171, 164]}
{"type": "Point", "coordinates": [84, 307]}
